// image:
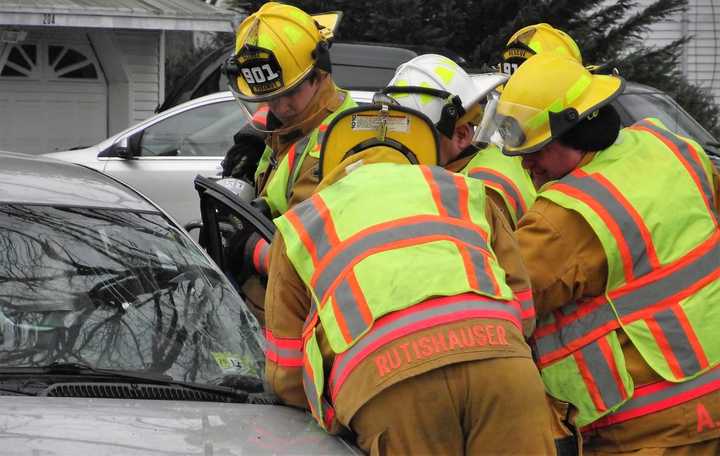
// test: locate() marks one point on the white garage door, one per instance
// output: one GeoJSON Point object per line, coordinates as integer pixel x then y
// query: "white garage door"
{"type": "Point", "coordinates": [53, 96]}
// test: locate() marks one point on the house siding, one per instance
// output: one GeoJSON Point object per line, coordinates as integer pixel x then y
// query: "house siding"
{"type": "Point", "coordinates": [142, 59]}
{"type": "Point", "coordinates": [701, 55]}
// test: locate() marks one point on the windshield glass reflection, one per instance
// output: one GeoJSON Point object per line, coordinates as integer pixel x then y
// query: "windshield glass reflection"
{"type": "Point", "coordinates": [117, 290]}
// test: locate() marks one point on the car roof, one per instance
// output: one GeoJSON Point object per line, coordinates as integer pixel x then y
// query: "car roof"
{"type": "Point", "coordinates": [32, 179]}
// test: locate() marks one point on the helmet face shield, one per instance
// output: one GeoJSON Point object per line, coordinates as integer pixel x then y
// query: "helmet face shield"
{"type": "Point", "coordinates": [511, 126]}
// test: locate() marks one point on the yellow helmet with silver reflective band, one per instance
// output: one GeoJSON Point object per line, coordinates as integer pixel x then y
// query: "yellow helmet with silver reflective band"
{"type": "Point", "coordinates": [547, 96]}
{"type": "Point", "coordinates": [535, 39]}
{"type": "Point", "coordinates": [276, 49]}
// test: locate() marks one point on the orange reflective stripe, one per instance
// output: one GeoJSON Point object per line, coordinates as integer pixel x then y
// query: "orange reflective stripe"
{"type": "Point", "coordinates": [433, 312]}
{"type": "Point", "coordinates": [658, 396]}
{"type": "Point", "coordinates": [295, 163]}
{"type": "Point", "coordinates": [305, 238]}
{"type": "Point", "coordinates": [502, 184]}
{"type": "Point", "coordinates": [581, 323]}
{"type": "Point", "coordinates": [688, 156]}
{"type": "Point", "coordinates": [527, 305]}
{"type": "Point", "coordinates": [260, 116]}
{"type": "Point", "coordinates": [261, 256]}
{"type": "Point", "coordinates": [307, 219]}
{"type": "Point", "coordinates": [392, 235]}
{"type": "Point", "coordinates": [283, 351]}
{"type": "Point", "coordinates": [629, 231]}
{"type": "Point", "coordinates": [449, 191]}
{"type": "Point", "coordinates": [677, 341]}
{"type": "Point", "coordinates": [340, 318]}
{"type": "Point", "coordinates": [637, 221]}
{"type": "Point", "coordinates": [600, 374]}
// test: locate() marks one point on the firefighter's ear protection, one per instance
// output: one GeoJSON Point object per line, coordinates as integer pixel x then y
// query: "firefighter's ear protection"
{"type": "Point", "coordinates": [399, 134]}
{"type": "Point", "coordinates": [452, 109]}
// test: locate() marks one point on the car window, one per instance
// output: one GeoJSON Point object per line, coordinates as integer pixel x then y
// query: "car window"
{"type": "Point", "coordinates": [202, 131]}
{"type": "Point", "coordinates": [642, 105]}
{"type": "Point", "coordinates": [117, 289]}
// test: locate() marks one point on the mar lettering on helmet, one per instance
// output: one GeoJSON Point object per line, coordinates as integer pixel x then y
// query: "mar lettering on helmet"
{"type": "Point", "coordinates": [535, 39]}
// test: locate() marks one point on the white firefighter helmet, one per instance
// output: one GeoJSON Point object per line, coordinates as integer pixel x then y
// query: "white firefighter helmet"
{"type": "Point", "coordinates": [442, 90]}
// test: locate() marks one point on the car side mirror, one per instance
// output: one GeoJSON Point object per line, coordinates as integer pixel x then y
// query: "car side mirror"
{"type": "Point", "coordinates": [120, 149]}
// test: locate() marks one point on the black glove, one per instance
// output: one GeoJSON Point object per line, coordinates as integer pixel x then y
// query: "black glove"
{"type": "Point", "coordinates": [242, 158]}
{"type": "Point", "coordinates": [242, 249]}
{"type": "Point", "coordinates": [248, 383]}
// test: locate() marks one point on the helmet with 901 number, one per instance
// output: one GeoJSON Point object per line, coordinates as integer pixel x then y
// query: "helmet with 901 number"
{"type": "Point", "coordinates": [535, 39]}
{"type": "Point", "coordinates": [527, 119]}
{"type": "Point", "coordinates": [276, 49]}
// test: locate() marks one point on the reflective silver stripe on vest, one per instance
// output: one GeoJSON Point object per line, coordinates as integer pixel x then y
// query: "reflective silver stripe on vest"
{"type": "Point", "coordinates": [679, 342]}
{"type": "Point", "coordinates": [633, 301]}
{"type": "Point", "coordinates": [314, 225]}
{"type": "Point", "coordinates": [507, 188]}
{"type": "Point", "coordinates": [602, 375]}
{"type": "Point", "coordinates": [311, 315]}
{"type": "Point", "coordinates": [311, 392]}
{"type": "Point", "coordinates": [449, 194]}
{"type": "Point", "coordinates": [349, 309]}
{"type": "Point", "coordinates": [484, 281]}
{"type": "Point", "coordinates": [412, 319]}
{"type": "Point", "coordinates": [657, 290]}
{"type": "Point", "coordinates": [628, 226]}
{"type": "Point", "coordinates": [670, 395]}
{"type": "Point", "coordinates": [300, 146]}
{"type": "Point", "coordinates": [387, 237]}
{"type": "Point", "coordinates": [684, 149]}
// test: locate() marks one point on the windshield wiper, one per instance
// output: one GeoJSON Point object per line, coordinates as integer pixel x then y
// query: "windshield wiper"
{"type": "Point", "coordinates": [60, 368]}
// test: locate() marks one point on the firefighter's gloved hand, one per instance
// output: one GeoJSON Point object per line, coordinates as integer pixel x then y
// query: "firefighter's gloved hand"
{"type": "Point", "coordinates": [242, 158]}
{"type": "Point", "coordinates": [248, 383]}
{"type": "Point", "coordinates": [250, 256]}
{"type": "Point", "coordinates": [265, 398]}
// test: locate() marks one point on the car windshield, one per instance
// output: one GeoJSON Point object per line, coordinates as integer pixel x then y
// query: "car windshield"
{"type": "Point", "coordinates": [641, 105]}
{"type": "Point", "coordinates": [117, 289]}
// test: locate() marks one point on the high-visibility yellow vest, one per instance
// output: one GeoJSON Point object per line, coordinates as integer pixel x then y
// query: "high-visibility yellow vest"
{"type": "Point", "coordinates": [385, 239]}
{"type": "Point", "coordinates": [506, 176]}
{"type": "Point", "coordinates": [280, 186]}
{"type": "Point", "coordinates": [649, 200]}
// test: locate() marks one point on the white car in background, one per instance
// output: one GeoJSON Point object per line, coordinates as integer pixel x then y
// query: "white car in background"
{"type": "Point", "coordinates": [161, 156]}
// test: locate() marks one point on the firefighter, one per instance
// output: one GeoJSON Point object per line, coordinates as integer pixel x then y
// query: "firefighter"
{"type": "Point", "coordinates": [282, 59]}
{"type": "Point", "coordinates": [454, 101]}
{"type": "Point", "coordinates": [623, 256]}
{"type": "Point", "coordinates": [394, 300]}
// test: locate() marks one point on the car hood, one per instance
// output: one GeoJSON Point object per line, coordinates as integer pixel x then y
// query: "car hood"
{"type": "Point", "coordinates": [83, 156]}
{"type": "Point", "coordinates": [71, 426]}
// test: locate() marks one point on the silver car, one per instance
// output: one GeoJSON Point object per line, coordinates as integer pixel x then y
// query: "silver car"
{"type": "Point", "coordinates": [161, 156]}
{"type": "Point", "coordinates": [117, 331]}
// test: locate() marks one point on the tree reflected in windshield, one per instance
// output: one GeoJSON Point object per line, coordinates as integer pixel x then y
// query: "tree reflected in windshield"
{"type": "Point", "coordinates": [117, 290]}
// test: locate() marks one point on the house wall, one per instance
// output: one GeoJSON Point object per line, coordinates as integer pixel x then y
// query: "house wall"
{"type": "Point", "coordinates": [141, 50]}
{"type": "Point", "coordinates": [701, 55]}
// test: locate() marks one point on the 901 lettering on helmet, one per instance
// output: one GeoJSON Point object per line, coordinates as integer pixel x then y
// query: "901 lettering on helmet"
{"type": "Point", "coordinates": [260, 69]}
